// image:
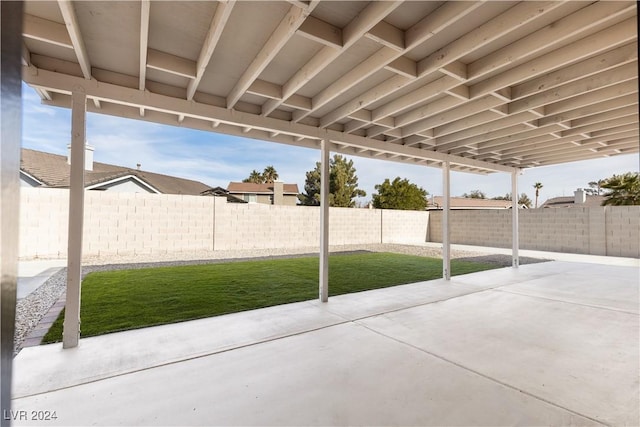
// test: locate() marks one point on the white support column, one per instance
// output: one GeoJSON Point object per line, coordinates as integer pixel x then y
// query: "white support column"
{"type": "Point", "coordinates": [71, 329]}
{"type": "Point", "coordinates": [515, 241]}
{"type": "Point", "coordinates": [324, 221]}
{"type": "Point", "coordinates": [446, 241]}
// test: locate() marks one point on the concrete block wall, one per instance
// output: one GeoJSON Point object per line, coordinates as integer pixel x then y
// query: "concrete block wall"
{"type": "Point", "coordinates": [410, 227]}
{"type": "Point", "coordinates": [259, 226]}
{"type": "Point", "coordinates": [139, 223]}
{"type": "Point", "coordinates": [44, 222]}
{"type": "Point", "coordinates": [611, 230]}
{"type": "Point", "coordinates": [622, 230]}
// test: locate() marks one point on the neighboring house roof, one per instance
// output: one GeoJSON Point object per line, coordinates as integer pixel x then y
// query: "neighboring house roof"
{"type": "Point", "coordinates": [219, 191]}
{"type": "Point", "coordinates": [436, 202]}
{"type": "Point", "coordinates": [253, 188]}
{"type": "Point", "coordinates": [53, 171]}
{"type": "Point", "coordinates": [569, 201]}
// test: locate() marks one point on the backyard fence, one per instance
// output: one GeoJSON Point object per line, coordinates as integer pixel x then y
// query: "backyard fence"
{"type": "Point", "coordinates": [141, 223]}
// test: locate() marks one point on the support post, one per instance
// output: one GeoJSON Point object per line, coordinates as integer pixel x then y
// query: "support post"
{"type": "Point", "coordinates": [71, 327]}
{"type": "Point", "coordinates": [10, 135]}
{"type": "Point", "coordinates": [324, 221]}
{"type": "Point", "coordinates": [446, 241]}
{"type": "Point", "coordinates": [515, 241]}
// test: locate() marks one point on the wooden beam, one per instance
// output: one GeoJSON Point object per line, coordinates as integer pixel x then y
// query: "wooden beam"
{"type": "Point", "coordinates": [596, 128]}
{"type": "Point", "coordinates": [266, 89]}
{"type": "Point", "coordinates": [510, 20]}
{"type": "Point", "coordinates": [36, 28]}
{"type": "Point", "coordinates": [603, 62]}
{"type": "Point", "coordinates": [387, 35]}
{"type": "Point", "coordinates": [70, 20]}
{"type": "Point", "coordinates": [145, 10]}
{"type": "Point", "coordinates": [478, 124]}
{"type": "Point", "coordinates": [220, 18]}
{"type": "Point", "coordinates": [438, 106]}
{"type": "Point", "coordinates": [597, 108]}
{"type": "Point", "coordinates": [441, 18]}
{"type": "Point", "coordinates": [604, 116]}
{"type": "Point", "coordinates": [322, 32]}
{"type": "Point", "coordinates": [616, 35]}
{"type": "Point", "coordinates": [553, 34]}
{"type": "Point", "coordinates": [601, 80]}
{"type": "Point", "coordinates": [280, 36]}
{"type": "Point", "coordinates": [593, 97]}
{"type": "Point", "coordinates": [206, 113]}
{"type": "Point", "coordinates": [465, 110]}
{"type": "Point", "coordinates": [424, 93]}
{"type": "Point", "coordinates": [171, 64]}
{"type": "Point", "coordinates": [355, 30]}
{"type": "Point", "coordinates": [403, 66]}
{"type": "Point", "coordinates": [354, 76]}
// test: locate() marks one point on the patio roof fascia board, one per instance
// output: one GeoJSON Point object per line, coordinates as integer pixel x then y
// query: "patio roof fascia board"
{"type": "Point", "coordinates": [56, 82]}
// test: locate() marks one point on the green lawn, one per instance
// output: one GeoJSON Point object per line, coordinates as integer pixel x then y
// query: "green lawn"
{"type": "Point", "coordinates": [130, 299]}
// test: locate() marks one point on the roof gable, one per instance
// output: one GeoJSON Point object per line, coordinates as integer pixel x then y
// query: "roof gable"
{"type": "Point", "coordinates": [53, 171]}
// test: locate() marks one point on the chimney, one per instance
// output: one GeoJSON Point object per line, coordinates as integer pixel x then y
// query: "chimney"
{"type": "Point", "coordinates": [88, 156]}
{"type": "Point", "coordinates": [580, 196]}
{"type": "Point", "coordinates": [278, 193]}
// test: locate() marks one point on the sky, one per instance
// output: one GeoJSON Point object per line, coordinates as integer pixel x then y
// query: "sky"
{"type": "Point", "coordinates": [217, 159]}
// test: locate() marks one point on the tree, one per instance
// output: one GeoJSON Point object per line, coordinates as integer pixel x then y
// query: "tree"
{"type": "Point", "coordinates": [595, 187]}
{"type": "Point", "coordinates": [475, 194]}
{"type": "Point", "coordinates": [522, 200]}
{"type": "Point", "coordinates": [623, 190]}
{"type": "Point", "coordinates": [267, 176]}
{"type": "Point", "coordinates": [255, 177]}
{"type": "Point", "coordinates": [270, 175]}
{"type": "Point", "coordinates": [538, 187]}
{"type": "Point", "coordinates": [343, 184]}
{"type": "Point", "coordinates": [399, 194]}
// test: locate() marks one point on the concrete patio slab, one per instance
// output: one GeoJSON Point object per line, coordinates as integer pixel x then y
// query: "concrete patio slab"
{"type": "Point", "coordinates": [578, 357]}
{"type": "Point", "coordinates": [114, 354]}
{"type": "Point", "coordinates": [473, 351]}
{"type": "Point", "coordinates": [318, 378]}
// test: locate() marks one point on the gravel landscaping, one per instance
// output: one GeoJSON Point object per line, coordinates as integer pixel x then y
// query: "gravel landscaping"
{"type": "Point", "coordinates": [31, 309]}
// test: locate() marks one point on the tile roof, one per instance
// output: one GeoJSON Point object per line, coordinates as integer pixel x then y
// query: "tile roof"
{"type": "Point", "coordinates": [250, 187]}
{"type": "Point", "coordinates": [53, 171]}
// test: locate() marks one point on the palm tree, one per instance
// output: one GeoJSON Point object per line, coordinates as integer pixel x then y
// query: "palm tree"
{"type": "Point", "coordinates": [596, 187]}
{"type": "Point", "coordinates": [537, 186]}
{"type": "Point", "coordinates": [270, 175]}
{"type": "Point", "coordinates": [255, 177]}
{"type": "Point", "coordinates": [623, 190]}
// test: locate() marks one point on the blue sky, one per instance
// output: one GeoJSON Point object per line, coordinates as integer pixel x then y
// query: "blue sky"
{"type": "Point", "coordinates": [216, 159]}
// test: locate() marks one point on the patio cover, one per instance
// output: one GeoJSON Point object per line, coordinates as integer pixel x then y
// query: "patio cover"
{"type": "Point", "coordinates": [487, 86]}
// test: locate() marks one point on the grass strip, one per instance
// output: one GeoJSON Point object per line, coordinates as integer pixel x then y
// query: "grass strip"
{"type": "Point", "coordinates": [130, 299]}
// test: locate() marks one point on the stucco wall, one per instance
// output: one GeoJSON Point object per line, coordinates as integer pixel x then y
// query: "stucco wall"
{"type": "Point", "coordinates": [611, 230]}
